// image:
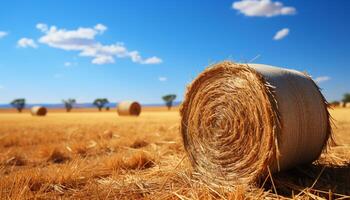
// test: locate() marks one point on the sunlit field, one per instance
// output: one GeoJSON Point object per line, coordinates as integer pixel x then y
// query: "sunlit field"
{"type": "Point", "coordinates": [99, 155]}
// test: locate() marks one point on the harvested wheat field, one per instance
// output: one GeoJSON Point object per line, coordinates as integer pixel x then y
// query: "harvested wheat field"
{"type": "Point", "coordinates": [99, 155]}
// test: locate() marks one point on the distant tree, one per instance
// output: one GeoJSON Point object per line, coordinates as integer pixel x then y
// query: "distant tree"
{"type": "Point", "coordinates": [346, 98]}
{"type": "Point", "coordinates": [169, 99]}
{"type": "Point", "coordinates": [107, 108]}
{"type": "Point", "coordinates": [19, 104]}
{"type": "Point", "coordinates": [334, 103]}
{"type": "Point", "coordinates": [100, 103]}
{"type": "Point", "coordinates": [68, 104]}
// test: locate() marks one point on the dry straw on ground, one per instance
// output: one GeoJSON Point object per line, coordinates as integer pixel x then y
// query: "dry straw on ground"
{"type": "Point", "coordinates": [241, 122]}
{"type": "Point", "coordinates": [129, 108]}
{"type": "Point", "coordinates": [38, 111]}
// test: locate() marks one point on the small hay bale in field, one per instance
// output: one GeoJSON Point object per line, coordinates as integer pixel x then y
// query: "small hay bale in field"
{"type": "Point", "coordinates": [347, 105]}
{"type": "Point", "coordinates": [38, 111]}
{"type": "Point", "coordinates": [129, 108]}
{"type": "Point", "coordinates": [342, 104]}
{"type": "Point", "coordinates": [239, 120]}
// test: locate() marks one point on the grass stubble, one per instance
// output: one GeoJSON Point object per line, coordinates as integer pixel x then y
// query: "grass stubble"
{"type": "Point", "coordinates": [103, 156]}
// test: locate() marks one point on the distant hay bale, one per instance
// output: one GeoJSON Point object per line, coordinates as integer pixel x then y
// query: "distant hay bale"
{"type": "Point", "coordinates": [240, 120]}
{"type": "Point", "coordinates": [347, 105]}
{"type": "Point", "coordinates": [38, 111]}
{"type": "Point", "coordinates": [129, 108]}
{"type": "Point", "coordinates": [342, 104]}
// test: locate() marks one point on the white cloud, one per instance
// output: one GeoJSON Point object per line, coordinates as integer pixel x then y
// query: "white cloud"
{"type": "Point", "coordinates": [281, 34]}
{"type": "Point", "coordinates": [262, 8]}
{"type": "Point", "coordinates": [26, 42]}
{"type": "Point", "coordinates": [42, 27]}
{"type": "Point", "coordinates": [3, 34]}
{"type": "Point", "coordinates": [83, 40]}
{"type": "Point", "coordinates": [162, 79]}
{"type": "Point", "coordinates": [101, 28]}
{"type": "Point", "coordinates": [100, 60]}
{"type": "Point", "coordinates": [152, 60]}
{"type": "Point", "coordinates": [321, 79]}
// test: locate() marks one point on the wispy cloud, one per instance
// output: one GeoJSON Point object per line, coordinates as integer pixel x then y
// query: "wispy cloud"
{"type": "Point", "coordinates": [58, 76]}
{"type": "Point", "coordinates": [162, 78]}
{"type": "Point", "coordinates": [281, 34]}
{"type": "Point", "coordinates": [321, 79]}
{"type": "Point", "coordinates": [262, 8]}
{"type": "Point", "coordinates": [70, 64]}
{"type": "Point", "coordinates": [26, 42]}
{"type": "Point", "coordinates": [3, 34]}
{"type": "Point", "coordinates": [84, 41]}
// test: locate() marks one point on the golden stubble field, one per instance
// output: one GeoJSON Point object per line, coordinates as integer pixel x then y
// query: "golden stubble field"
{"type": "Point", "coordinates": [99, 155]}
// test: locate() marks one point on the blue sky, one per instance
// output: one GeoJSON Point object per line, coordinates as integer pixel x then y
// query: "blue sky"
{"type": "Point", "coordinates": [142, 50]}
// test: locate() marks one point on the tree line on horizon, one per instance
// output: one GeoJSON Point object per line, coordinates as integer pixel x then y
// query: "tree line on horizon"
{"type": "Point", "coordinates": [100, 103]}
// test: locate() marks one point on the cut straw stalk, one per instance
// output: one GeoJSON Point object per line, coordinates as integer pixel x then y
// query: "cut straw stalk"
{"type": "Point", "coordinates": [239, 120]}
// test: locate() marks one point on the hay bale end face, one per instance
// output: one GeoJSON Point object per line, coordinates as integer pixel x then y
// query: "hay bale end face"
{"type": "Point", "coordinates": [38, 111]}
{"type": "Point", "coordinates": [129, 108]}
{"type": "Point", "coordinates": [239, 120]}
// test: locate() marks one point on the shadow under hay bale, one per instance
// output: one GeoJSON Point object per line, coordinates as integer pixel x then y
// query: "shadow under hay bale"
{"type": "Point", "coordinates": [136, 161]}
{"type": "Point", "coordinates": [240, 121]}
{"type": "Point", "coordinates": [139, 143]}
{"type": "Point", "coordinates": [330, 182]}
{"type": "Point", "coordinates": [54, 155]}
{"type": "Point", "coordinates": [38, 111]}
{"type": "Point", "coordinates": [129, 108]}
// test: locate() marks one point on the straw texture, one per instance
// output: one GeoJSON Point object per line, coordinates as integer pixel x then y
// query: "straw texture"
{"type": "Point", "coordinates": [129, 108]}
{"type": "Point", "coordinates": [239, 120]}
{"type": "Point", "coordinates": [38, 111]}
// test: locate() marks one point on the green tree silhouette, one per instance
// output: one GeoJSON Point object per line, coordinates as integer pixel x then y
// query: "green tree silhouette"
{"type": "Point", "coordinates": [100, 103]}
{"type": "Point", "coordinates": [19, 104]}
{"type": "Point", "coordinates": [346, 98]}
{"type": "Point", "coordinates": [169, 99]}
{"type": "Point", "coordinates": [68, 104]}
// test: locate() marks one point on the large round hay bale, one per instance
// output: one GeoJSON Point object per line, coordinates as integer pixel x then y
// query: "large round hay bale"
{"type": "Point", "coordinates": [347, 105]}
{"type": "Point", "coordinates": [342, 104]}
{"type": "Point", "coordinates": [132, 108]}
{"type": "Point", "coordinates": [38, 111]}
{"type": "Point", "coordinates": [240, 120]}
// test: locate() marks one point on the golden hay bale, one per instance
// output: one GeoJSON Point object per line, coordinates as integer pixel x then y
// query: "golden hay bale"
{"type": "Point", "coordinates": [239, 120]}
{"type": "Point", "coordinates": [347, 105]}
{"type": "Point", "coordinates": [129, 108]}
{"type": "Point", "coordinates": [38, 111]}
{"type": "Point", "coordinates": [341, 104]}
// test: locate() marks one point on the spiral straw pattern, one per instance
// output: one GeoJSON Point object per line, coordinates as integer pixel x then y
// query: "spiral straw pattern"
{"type": "Point", "coordinates": [234, 126]}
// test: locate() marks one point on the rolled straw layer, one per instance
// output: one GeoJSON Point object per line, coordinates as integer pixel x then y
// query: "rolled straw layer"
{"type": "Point", "coordinates": [239, 120]}
{"type": "Point", "coordinates": [129, 108]}
{"type": "Point", "coordinates": [38, 111]}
